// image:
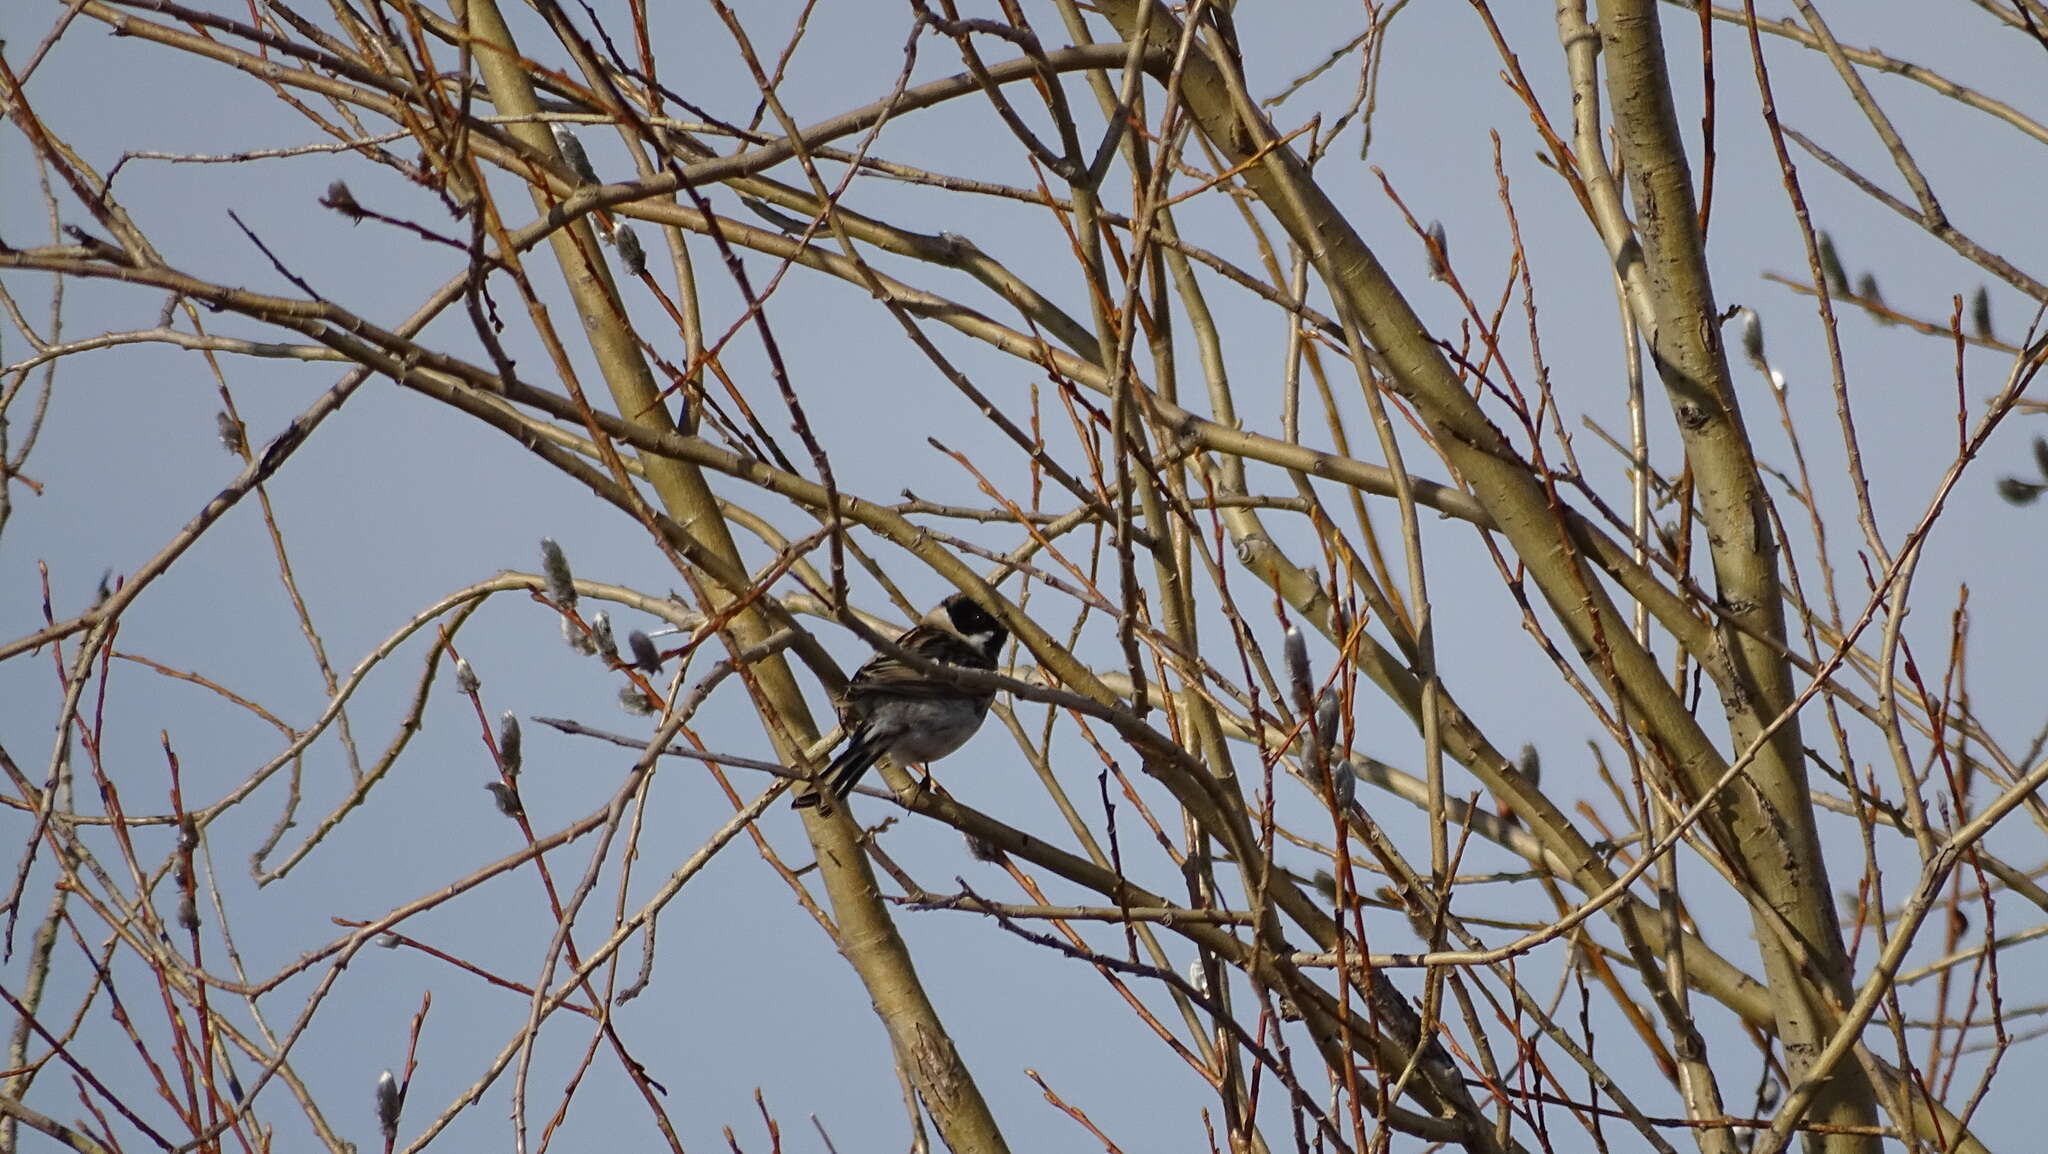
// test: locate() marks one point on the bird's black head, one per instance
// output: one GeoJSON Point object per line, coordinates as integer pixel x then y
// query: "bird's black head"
{"type": "Point", "coordinates": [977, 625]}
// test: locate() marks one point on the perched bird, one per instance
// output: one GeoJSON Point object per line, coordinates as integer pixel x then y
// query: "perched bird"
{"type": "Point", "coordinates": [894, 709]}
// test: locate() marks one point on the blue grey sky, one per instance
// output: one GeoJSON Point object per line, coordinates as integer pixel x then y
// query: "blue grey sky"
{"type": "Point", "coordinates": [397, 502]}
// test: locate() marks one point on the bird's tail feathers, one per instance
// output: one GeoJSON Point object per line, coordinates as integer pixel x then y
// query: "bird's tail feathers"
{"type": "Point", "coordinates": [843, 774]}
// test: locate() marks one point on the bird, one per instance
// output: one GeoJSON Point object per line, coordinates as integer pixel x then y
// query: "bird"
{"type": "Point", "coordinates": [894, 709]}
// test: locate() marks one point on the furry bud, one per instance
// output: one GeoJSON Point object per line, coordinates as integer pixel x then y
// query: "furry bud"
{"type": "Point", "coordinates": [2018, 492]}
{"type": "Point", "coordinates": [575, 638]}
{"type": "Point", "coordinates": [341, 200]}
{"type": "Point", "coordinates": [1831, 269]}
{"type": "Point", "coordinates": [646, 657]}
{"type": "Point", "coordinates": [1753, 339]}
{"type": "Point", "coordinates": [510, 741]}
{"type": "Point", "coordinates": [554, 568]}
{"type": "Point", "coordinates": [506, 797]}
{"type": "Point", "coordinates": [632, 257]}
{"type": "Point", "coordinates": [1295, 650]}
{"type": "Point", "coordinates": [389, 1099]}
{"type": "Point", "coordinates": [573, 154]}
{"type": "Point", "coordinates": [1866, 288]}
{"type": "Point", "coordinates": [1344, 782]}
{"type": "Point", "coordinates": [1327, 705]}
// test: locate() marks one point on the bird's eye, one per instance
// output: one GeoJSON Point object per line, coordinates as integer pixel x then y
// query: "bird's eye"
{"type": "Point", "coordinates": [970, 617]}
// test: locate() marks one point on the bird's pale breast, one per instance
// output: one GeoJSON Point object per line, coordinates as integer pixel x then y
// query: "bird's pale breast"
{"type": "Point", "coordinates": [927, 729]}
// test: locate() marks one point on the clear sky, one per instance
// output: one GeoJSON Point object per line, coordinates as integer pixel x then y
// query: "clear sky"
{"type": "Point", "coordinates": [396, 503]}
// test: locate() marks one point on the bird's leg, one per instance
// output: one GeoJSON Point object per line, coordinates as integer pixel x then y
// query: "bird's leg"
{"type": "Point", "coordinates": [924, 783]}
